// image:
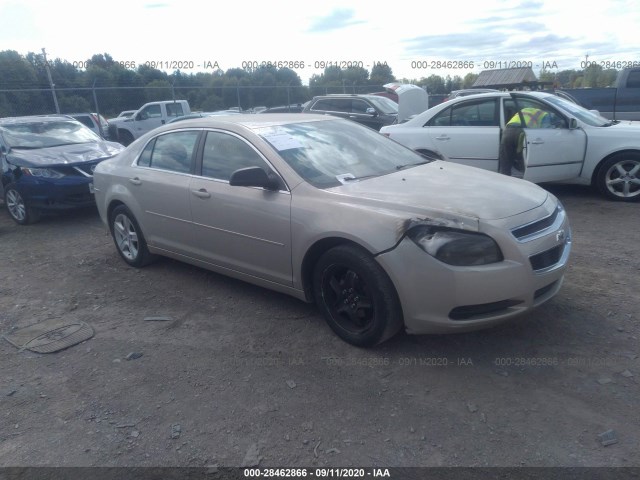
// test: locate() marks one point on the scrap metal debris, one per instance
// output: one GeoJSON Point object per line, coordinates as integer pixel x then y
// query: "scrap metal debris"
{"type": "Point", "coordinates": [608, 438]}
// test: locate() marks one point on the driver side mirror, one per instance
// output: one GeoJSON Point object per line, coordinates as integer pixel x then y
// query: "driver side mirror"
{"type": "Point", "coordinates": [573, 124]}
{"type": "Point", "coordinates": [254, 177]}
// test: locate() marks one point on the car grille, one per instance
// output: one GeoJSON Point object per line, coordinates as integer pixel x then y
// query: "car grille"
{"type": "Point", "coordinates": [546, 259]}
{"type": "Point", "coordinates": [82, 170]}
{"type": "Point", "coordinates": [532, 229]}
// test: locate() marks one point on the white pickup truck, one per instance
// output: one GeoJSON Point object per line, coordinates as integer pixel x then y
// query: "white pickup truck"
{"type": "Point", "coordinates": [151, 115]}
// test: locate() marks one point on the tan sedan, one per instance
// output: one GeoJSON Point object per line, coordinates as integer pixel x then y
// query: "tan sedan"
{"type": "Point", "coordinates": [327, 210]}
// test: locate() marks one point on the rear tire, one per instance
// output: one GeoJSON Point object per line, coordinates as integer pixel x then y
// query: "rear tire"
{"type": "Point", "coordinates": [125, 137]}
{"type": "Point", "coordinates": [128, 238]}
{"type": "Point", "coordinates": [356, 297]}
{"type": "Point", "coordinates": [19, 209]}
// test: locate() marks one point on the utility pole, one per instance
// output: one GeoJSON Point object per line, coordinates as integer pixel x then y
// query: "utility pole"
{"type": "Point", "coordinates": [53, 90]}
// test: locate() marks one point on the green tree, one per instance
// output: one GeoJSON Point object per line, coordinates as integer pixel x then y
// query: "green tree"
{"type": "Point", "coordinates": [381, 74]}
{"type": "Point", "coordinates": [158, 90]}
{"type": "Point", "coordinates": [434, 83]}
{"type": "Point", "coordinates": [74, 103]}
{"type": "Point", "coordinates": [16, 72]}
{"type": "Point", "coordinates": [591, 75]}
{"type": "Point", "coordinates": [469, 80]}
{"type": "Point", "coordinates": [608, 78]}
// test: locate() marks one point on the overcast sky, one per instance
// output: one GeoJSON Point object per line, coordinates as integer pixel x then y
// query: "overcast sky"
{"type": "Point", "coordinates": [399, 33]}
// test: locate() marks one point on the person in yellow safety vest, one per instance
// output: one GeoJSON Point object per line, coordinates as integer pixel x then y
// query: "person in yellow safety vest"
{"type": "Point", "coordinates": [533, 118]}
{"type": "Point", "coordinates": [513, 137]}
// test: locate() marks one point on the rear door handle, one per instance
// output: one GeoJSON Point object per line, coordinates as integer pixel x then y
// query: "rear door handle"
{"type": "Point", "coordinates": [135, 181]}
{"type": "Point", "coordinates": [537, 141]}
{"type": "Point", "coordinates": [202, 193]}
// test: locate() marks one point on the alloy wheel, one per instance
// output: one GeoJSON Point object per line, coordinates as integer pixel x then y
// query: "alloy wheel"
{"type": "Point", "coordinates": [16, 205]}
{"type": "Point", "coordinates": [126, 237]}
{"type": "Point", "coordinates": [623, 178]}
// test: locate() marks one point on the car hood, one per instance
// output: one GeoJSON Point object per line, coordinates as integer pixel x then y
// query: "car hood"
{"type": "Point", "coordinates": [449, 188]}
{"type": "Point", "coordinates": [64, 154]}
{"type": "Point", "coordinates": [626, 126]}
{"type": "Point", "coordinates": [118, 120]}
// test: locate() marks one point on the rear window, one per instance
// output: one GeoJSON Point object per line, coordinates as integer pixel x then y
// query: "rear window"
{"type": "Point", "coordinates": [333, 105]}
{"type": "Point", "coordinates": [633, 81]}
{"type": "Point", "coordinates": [174, 110]}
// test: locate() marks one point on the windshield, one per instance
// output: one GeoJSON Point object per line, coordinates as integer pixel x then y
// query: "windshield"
{"type": "Point", "coordinates": [330, 153]}
{"type": "Point", "coordinates": [385, 105]}
{"type": "Point", "coordinates": [44, 134]}
{"type": "Point", "coordinates": [579, 112]}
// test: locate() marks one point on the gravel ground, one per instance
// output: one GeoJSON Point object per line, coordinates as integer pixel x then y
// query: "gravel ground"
{"type": "Point", "coordinates": [238, 375]}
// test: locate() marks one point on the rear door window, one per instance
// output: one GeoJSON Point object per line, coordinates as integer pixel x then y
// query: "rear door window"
{"type": "Point", "coordinates": [172, 151]}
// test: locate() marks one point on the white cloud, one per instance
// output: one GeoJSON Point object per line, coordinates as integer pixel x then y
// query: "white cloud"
{"type": "Point", "coordinates": [286, 30]}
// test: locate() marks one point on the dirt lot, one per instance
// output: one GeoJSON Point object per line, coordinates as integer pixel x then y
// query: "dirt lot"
{"type": "Point", "coordinates": [240, 375]}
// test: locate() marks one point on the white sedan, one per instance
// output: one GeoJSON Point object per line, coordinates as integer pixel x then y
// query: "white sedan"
{"type": "Point", "coordinates": [573, 145]}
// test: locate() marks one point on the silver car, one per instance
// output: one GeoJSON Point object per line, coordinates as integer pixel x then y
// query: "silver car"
{"type": "Point", "coordinates": [332, 212]}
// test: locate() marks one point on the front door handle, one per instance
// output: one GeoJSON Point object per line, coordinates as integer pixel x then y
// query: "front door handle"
{"type": "Point", "coordinates": [443, 137]}
{"type": "Point", "coordinates": [202, 193]}
{"type": "Point", "coordinates": [135, 181]}
{"type": "Point", "coordinates": [537, 141]}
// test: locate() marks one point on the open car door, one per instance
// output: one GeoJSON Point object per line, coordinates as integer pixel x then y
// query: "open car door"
{"type": "Point", "coordinates": [551, 150]}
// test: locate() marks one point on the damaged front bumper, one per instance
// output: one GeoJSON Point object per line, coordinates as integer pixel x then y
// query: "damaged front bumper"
{"type": "Point", "coordinates": [441, 298]}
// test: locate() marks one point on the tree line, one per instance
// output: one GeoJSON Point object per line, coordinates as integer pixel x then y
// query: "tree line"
{"type": "Point", "coordinates": [108, 84]}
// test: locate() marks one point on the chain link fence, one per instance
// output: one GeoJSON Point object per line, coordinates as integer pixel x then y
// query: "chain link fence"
{"type": "Point", "coordinates": [109, 101]}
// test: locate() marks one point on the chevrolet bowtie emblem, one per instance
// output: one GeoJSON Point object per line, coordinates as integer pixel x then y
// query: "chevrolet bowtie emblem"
{"type": "Point", "coordinates": [560, 236]}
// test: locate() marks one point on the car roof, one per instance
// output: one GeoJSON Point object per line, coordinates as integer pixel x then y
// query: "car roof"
{"type": "Point", "coordinates": [464, 98]}
{"type": "Point", "coordinates": [249, 121]}
{"type": "Point", "coordinates": [34, 118]}
{"type": "Point", "coordinates": [469, 98]}
{"type": "Point", "coordinates": [347, 95]}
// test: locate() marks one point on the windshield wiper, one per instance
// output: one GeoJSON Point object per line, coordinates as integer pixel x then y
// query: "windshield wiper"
{"type": "Point", "coordinates": [350, 179]}
{"type": "Point", "coordinates": [65, 144]}
{"type": "Point", "coordinates": [402, 167]}
{"type": "Point", "coordinates": [23, 147]}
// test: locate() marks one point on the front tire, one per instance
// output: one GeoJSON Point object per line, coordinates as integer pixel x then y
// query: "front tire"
{"type": "Point", "coordinates": [128, 238]}
{"type": "Point", "coordinates": [356, 296]}
{"type": "Point", "coordinates": [19, 209]}
{"type": "Point", "coordinates": [619, 177]}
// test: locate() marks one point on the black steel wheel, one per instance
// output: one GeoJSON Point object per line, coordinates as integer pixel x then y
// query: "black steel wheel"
{"type": "Point", "coordinates": [357, 298]}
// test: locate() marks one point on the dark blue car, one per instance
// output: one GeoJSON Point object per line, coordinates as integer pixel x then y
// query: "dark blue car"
{"type": "Point", "coordinates": [48, 163]}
